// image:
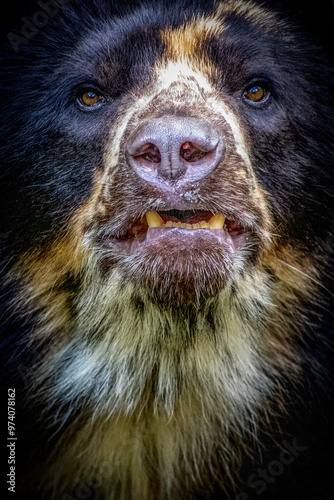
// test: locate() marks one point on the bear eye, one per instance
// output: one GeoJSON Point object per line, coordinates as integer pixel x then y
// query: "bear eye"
{"type": "Point", "coordinates": [90, 98]}
{"type": "Point", "coordinates": [256, 94]}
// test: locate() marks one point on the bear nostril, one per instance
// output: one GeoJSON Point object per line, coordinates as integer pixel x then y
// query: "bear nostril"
{"type": "Point", "coordinates": [191, 152]}
{"type": "Point", "coordinates": [148, 153]}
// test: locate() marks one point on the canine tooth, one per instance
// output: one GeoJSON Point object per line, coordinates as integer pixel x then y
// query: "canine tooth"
{"type": "Point", "coordinates": [154, 219]}
{"type": "Point", "coordinates": [217, 221]}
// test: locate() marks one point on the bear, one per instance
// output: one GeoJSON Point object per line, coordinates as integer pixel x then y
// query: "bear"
{"type": "Point", "coordinates": [167, 251]}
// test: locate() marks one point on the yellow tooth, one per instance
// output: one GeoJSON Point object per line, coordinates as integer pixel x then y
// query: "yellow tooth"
{"type": "Point", "coordinates": [170, 223]}
{"type": "Point", "coordinates": [154, 219]}
{"type": "Point", "coordinates": [204, 225]}
{"type": "Point", "coordinates": [189, 226]}
{"type": "Point", "coordinates": [217, 221]}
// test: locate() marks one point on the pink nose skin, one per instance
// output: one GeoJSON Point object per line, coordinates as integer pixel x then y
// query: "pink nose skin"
{"type": "Point", "coordinates": [175, 148]}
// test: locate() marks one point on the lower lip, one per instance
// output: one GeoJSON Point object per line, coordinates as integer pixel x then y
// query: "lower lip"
{"type": "Point", "coordinates": [191, 238]}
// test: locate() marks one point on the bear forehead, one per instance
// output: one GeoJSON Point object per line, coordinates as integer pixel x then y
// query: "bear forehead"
{"type": "Point", "coordinates": [232, 37]}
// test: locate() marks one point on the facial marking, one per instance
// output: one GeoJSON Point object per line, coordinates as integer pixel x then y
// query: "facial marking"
{"type": "Point", "coordinates": [184, 42]}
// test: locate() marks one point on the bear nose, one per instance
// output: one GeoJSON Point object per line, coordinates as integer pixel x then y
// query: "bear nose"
{"type": "Point", "coordinates": [175, 148]}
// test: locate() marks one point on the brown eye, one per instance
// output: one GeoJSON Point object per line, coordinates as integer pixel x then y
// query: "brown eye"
{"type": "Point", "coordinates": [256, 93]}
{"type": "Point", "coordinates": [90, 98]}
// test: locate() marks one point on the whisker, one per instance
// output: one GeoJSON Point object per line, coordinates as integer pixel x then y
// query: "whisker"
{"type": "Point", "coordinates": [276, 235]}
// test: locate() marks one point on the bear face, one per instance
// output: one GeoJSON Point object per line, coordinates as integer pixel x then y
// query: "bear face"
{"type": "Point", "coordinates": [175, 240]}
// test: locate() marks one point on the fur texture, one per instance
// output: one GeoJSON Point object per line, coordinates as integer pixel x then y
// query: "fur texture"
{"type": "Point", "coordinates": [182, 363]}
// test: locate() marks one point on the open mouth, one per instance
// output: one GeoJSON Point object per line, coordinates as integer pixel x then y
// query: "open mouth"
{"type": "Point", "coordinates": [186, 219]}
{"type": "Point", "coordinates": [179, 256]}
{"type": "Point", "coordinates": [192, 220]}
{"type": "Point", "coordinates": [182, 223]}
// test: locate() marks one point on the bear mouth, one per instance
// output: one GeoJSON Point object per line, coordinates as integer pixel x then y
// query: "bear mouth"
{"type": "Point", "coordinates": [185, 224]}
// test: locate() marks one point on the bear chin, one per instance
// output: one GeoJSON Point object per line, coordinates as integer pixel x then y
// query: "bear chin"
{"type": "Point", "coordinates": [179, 268]}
